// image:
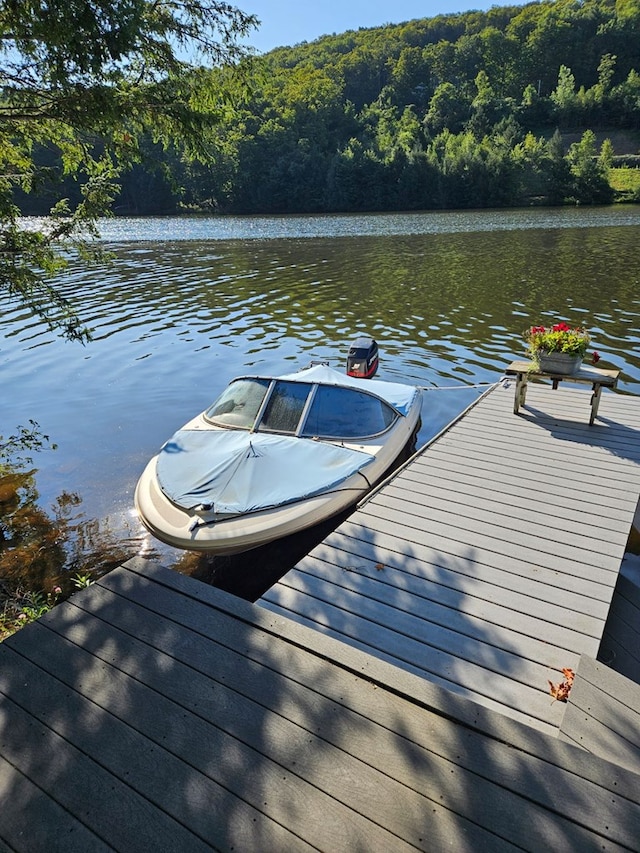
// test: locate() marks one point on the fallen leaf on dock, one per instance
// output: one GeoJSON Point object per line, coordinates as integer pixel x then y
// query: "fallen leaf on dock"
{"type": "Point", "coordinates": [561, 691]}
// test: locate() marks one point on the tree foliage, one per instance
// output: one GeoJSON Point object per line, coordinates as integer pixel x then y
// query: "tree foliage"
{"type": "Point", "coordinates": [84, 86]}
{"type": "Point", "coordinates": [433, 112]}
{"type": "Point", "coordinates": [476, 109]}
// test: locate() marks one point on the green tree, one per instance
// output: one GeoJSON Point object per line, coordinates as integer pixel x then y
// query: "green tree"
{"type": "Point", "coordinates": [410, 78]}
{"type": "Point", "coordinates": [564, 95]}
{"type": "Point", "coordinates": [557, 170]}
{"type": "Point", "coordinates": [590, 171]}
{"type": "Point", "coordinates": [529, 159]}
{"type": "Point", "coordinates": [448, 109]}
{"type": "Point", "coordinates": [486, 108]}
{"type": "Point", "coordinates": [88, 80]}
{"type": "Point", "coordinates": [625, 99]}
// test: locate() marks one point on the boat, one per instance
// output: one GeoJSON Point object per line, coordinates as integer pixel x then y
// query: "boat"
{"type": "Point", "coordinates": [274, 455]}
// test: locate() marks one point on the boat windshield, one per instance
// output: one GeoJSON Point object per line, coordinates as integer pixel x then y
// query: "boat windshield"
{"type": "Point", "coordinates": [285, 406]}
{"type": "Point", "coordinates": [303, 408]}
{"type": "Point", "coordinates": [239, 403]}
{"type": "Point", "coordinates": [347, 413]}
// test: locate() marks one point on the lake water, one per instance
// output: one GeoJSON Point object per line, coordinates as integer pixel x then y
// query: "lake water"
{"type": "Point", "coordinates": [189, 303]}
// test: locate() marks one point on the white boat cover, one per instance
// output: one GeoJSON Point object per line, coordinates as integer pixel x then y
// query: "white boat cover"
{"type": "Point", "coordinates": [399, 396]}
{"type": "Point", "coordinates": [238, 472]}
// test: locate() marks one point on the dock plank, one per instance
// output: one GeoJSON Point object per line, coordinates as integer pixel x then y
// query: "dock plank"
{"type": "Point", "coordinates": [32, 820]}
{"type": "Point", "coordinates": [452, 608]}
{"type": "Point", "coordinates": [68, 776]}
{"type": "Point", "coordinates": [577, 543]}
{"type": "Point", "coordinates": [513, 482]}
{"type": "Point", "coordinates": [150, 669]}
{"type": "Point", "coordinates": [451, 565]}
{"type": "Point", "coordinates": [505, 533]}
{"type": "Point", "coordinates": [210, 760]}
{"type": "Point", "coordinates": [603, 714]}
{"type": "Point", "coordinates": [621, 639]}
{"type": "Point", "coordinates": [514, 502]}
{"type": "Point", "coordinates": [543, 466]}
{"type": "Point", "coordinates": [376, 526]}
{"type": "Point", "coordinates": [446, 666]}
{"type": "Point", "coordinates": [434, 654]}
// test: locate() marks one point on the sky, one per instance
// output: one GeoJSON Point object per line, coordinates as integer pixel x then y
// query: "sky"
{"type": "Point", "coordinates": [288, 22]}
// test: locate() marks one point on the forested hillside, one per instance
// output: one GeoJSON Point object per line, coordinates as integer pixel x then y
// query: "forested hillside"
{"type": "Point", "coordinates": [456, 111]}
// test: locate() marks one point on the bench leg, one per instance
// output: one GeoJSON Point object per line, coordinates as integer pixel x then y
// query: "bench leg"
{"type": "Point", "coordinates": [595, 402]}
{"type": "Point", "coordinates": [521, 392]}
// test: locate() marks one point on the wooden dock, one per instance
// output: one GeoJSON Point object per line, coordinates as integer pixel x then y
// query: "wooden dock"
{"type": "Point", "coordinates": [153, 713]}
{"type": "Point", "coordinates": [389, 693]}
{"type": "Point", "coordinates": [488, 564]}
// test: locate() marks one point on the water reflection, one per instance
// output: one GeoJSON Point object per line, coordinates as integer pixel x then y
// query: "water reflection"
{"type": "Point", "coordinates": [450, 297]}
{"type": "Point", "coordinates": [42, 553]}
{"type": "Point", "coordinates": [302, 226]}
{"type": "Point", "coordinates": [176, 319]}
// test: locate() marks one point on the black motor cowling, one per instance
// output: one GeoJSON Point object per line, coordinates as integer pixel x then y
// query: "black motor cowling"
{"type": "Point", "coordinates": [362, 360]}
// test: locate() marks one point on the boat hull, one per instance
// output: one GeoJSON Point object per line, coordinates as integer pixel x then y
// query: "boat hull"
{"type": "Point", "coordinates": [193, 530]}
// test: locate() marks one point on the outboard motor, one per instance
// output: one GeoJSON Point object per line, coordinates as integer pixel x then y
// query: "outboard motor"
{"type": "Point", "coordinates": [362, 361]}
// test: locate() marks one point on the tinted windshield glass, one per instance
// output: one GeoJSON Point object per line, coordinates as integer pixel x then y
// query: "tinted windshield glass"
{"type": "Point", "coordinates": [285, 406]}
{"type": "Point", "coordinates": [238, 405]}
{"type": "Point", "coordinates": [345, 413]}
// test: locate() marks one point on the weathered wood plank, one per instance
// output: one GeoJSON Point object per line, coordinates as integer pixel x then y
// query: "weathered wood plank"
{"type": "Point", "coordinates": [427, 694]}
{"type": "Point", "coordinates": [548, 414]}
{"type": "Point", "coordinates": [603, 714]}
{"type": "Point", "coordinates": [434, 653]}
{"type": "Point", "coordinates": [466, 511]}
{"type": "Point", "coordinates": [630, 591]}
{"type": "Point", "coordinates": [513, 627]}
{"type": "Point", "coordinates": [542, 456]}
{"type": "Point", "coordinates": [621, 638]}
{"type": "Point", "coordinates": [567, 398]}
{"type": "Point", "coordinates": [303, 749]}
{"type": "Point", "coordinates": [618, 655]}
{"type": "Point", "coordinates": [467, 641]}
{"type": "Point", "coordinates": [540, 588]}
{"type": "Point", "coordinates": [375, 520]}
{"type": "Point", "coordinates": [587, 499]}
{"type": "Point", "coordinates": [229, 665]}
{"type": "Point", "coordinates": [398, 685]}
{"type": "Point", "coordinates": [553, 413]}
{"type": "Point", "coordinates": [498, 679]}
{"type": "Point", "coordinates": [516, 501]}
{"type": "Point", "coordinates": [623, 622]}
{"type": "Point", "coordinates": [32, 822]}
{"type": "Point", "coordinates": [66, 773]}
{"type": "Point", "coordinates": [610, 460]}
{"type": "Point", "coordinates": [184, 667]}
{"type": "Point", "coordinates": [534, 478]}
{"type": "Point", "coordinates": [585, 373]}
{"type": "Point", "coordinates": [433, 502]}
{"type": "Point", "coordinates": [535, 464]}
{"type": "Point", "coordinates": [134, 726]}
{"type": "Point", "coordinates": [610, 438]}
{"type": "Point", "coordinates": [452, 787]}
{"type": "Point", "coordinates": [453, 687]}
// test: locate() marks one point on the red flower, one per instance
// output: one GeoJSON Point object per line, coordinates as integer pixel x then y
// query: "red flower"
{"type": "Point", "coordinates": [595, 358]}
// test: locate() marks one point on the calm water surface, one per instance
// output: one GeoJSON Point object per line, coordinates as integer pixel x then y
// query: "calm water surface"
{"type": "Point", "coordinates": [189, 303]}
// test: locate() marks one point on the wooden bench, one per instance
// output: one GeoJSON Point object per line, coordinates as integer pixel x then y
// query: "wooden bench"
{"type": "Point", "coordinates": [594, 376]}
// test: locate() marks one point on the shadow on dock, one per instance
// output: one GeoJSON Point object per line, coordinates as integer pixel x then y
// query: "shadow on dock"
{"type": "Point", "coordinates": [204, 722]}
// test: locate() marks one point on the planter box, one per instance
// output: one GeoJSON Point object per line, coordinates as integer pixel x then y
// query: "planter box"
{"type": "Point", "coordinates": [560, 363]}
